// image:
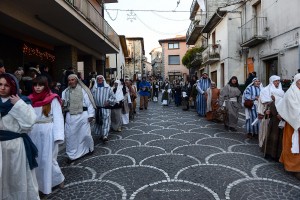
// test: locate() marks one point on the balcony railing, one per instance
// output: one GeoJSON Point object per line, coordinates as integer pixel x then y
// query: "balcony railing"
{"type": "Point", "coordinates": [92, 16]}
{"type": "Point", "coordinates": [195, 29]}
{"type": "Point", "coordinates": [211, 54]}
{"type": "Point", "coordinates": [254, 31]}
{"type": "Point", "coordinates": [194, 8]}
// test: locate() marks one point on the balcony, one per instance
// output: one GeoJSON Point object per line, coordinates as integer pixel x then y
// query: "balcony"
{"type": "Point", "coordinates": [93, 17]}
{"type": "Point", "coordinates": [211, 54]}
{"type": "Point", "coordinates": [194, 8]}
{"type": "Point", "coordinates": [254, 32]}
{"type": "Point", "coordinates": [195, 29]}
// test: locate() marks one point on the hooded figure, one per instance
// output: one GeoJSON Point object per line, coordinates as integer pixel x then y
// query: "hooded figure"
{"type": "Point", "coordinates": [17, 152]}
{"type": "Point", "coordinates": [289, 109]}
{"type": "Point", "coordinates": [104, 98]}
{"type": "Point", "coordinates": [80, 107]}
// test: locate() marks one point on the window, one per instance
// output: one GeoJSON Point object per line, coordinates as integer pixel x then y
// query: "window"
{"type": "Point", "coordinates": [174, 45]}
{"type": "Point", "coordinates": [174, 60]}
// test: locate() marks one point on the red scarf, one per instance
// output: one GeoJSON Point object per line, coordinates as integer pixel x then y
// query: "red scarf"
{"type": "Point", "coordinates": [43, 98]}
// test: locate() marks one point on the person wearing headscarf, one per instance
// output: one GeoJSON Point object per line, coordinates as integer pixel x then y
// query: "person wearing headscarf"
{"type": "Point", "coordinates": [116, 113]}
{"type": "Point", "coordinates": [47, 133]}
{"type": "Point", "coordinates": [79, 106]}
{"type": "Point", "coordinates": [127, 103]}
{"type": "Point", "coordinates": [133, 96]}
{"type": "Point", "coordinates": [104, 98]}
{"type": "Point", "coordinates": [251, 93]}
{"type": "Point", "coordinates": [212, 98]}
{"type": "Point", "coordinates": [193, 91]}
{"type": "Point", "coordinates": [166, 90]}
{"type": "Point", "coordinates": [202, 85]}
{"type": "Point", "coordinates": [289, 109]}
{"type": "Point", "coordinates": [270, 135]}
{"type": "Point", "coordinates": [231, 97]}
{"type": "Point", "coordinates": [17, 151]}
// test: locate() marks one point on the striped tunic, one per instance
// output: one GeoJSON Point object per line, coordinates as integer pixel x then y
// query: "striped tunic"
{"type": "Point", "coordinates": [250, 94]}
{"type": "Point", "coordinates": [102, 95]}
{"type": "Point", "coordinates": [202, 86]}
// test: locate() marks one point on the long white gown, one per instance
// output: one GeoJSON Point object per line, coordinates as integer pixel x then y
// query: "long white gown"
{"type": "Point", "coordinates": [79, 140]}
{"type": "Point", "coordinates": [47, 133]}
{"type": "Point", "coordinates": [17, 181]}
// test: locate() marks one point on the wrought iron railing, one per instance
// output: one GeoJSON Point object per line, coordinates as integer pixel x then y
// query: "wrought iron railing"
{"type": "Point", "coordinates": [193, 6]}
{"type": "Point", "coordinates": [92, 16]}
{"type": "Point", "coordinates": [254, 28]}
{"type": "Point", "coordinates": [199, 20]}
{"type": "Point", "coordinates": [212, 52]}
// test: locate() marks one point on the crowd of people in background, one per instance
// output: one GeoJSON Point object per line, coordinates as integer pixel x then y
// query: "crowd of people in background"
{"type": "Point", "coordinates": [39, 114]}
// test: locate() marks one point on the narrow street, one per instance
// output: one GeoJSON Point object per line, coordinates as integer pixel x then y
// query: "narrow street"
{"type": "Point", "coordinates": [167, 153]}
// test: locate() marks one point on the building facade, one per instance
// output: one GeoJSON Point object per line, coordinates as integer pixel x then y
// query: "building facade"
{"type": "Point", "coordinates": [115, 63]}
{"type": "Point", "coordinates": [173, 49]}
{"type": "Point", "coordinates": [136, 56]}
{"type": "Point", "coordinates": [156, 62]}
{"type": "Point", "coordinates": [270, 37]}
{"type": "Point", "coordinates": [58, 34]}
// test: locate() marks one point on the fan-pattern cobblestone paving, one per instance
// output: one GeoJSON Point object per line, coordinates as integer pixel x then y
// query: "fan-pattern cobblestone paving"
{"type": "Point", "coordinates": [166, 153]}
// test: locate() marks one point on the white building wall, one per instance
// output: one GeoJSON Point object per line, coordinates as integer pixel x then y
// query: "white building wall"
{"type": "Point", "coordinates": [228, 36]}
{"type": "Point", "coordinates": [283, 37]}
{"type": "Point", "coordinates": [120, 62]}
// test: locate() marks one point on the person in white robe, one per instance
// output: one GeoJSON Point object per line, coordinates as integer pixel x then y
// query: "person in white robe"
{"type": "Point", "coordinates": [269, 134]}
{"type": "Point", "coordinates": [47, 133]}
{"type": "Point", "coordinates": [80, 107]}
{"type": "Point", "coordinates": [104, 99]}
{"type": "Point", "coordinates": [116, 113]}
{"type": "Point", "coordinates": [17, 173]}
{"type": "Point", "coordinates": [127, 104]}
{"type": "Point", "coordinates": [289, 109]}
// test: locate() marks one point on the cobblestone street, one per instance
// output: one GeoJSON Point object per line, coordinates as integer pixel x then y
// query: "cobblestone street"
{"type": "Point", "coordinates": [167, 153]}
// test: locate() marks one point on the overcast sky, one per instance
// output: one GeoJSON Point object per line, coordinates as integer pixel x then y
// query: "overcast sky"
{"type": "Point", "coordinates": [152, 26]}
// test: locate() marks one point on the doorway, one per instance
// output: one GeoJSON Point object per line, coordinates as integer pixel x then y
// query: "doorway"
{"type": "Point", "coordinates": [213, 76]}
{"type": "Point", "coordinates": [271, 67]}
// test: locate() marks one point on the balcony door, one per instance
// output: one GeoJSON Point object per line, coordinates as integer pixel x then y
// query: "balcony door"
{"type": "Point", "coordinates": [271, 67]}
{"type": "Point", "coordinates": [214, 76]}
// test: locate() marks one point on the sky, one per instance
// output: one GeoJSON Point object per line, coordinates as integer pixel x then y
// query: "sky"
{"type": "Point", "coordinates": [150, 25]}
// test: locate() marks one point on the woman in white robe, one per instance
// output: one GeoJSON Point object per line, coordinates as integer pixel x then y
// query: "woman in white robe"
{"type": "Point", "coordinates": [79, 140]}
{"type": "Point", "coordinates": [116, 113]}
{"type": "Point", "coordinates": [17, 177]}
{"type": "Point", "coordinates": [47, 133]}
{"type": "Point", "coordinates": [127, 104]}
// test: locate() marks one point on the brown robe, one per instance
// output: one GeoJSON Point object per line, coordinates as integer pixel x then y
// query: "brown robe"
{"type": "Point", "coordinates": [274, 135]}
{"type": "Point", "coordinates": [215, 93]}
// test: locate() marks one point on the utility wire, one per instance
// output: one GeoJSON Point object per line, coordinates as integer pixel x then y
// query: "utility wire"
{"type": "Point", "coordinates": [112, 19]}
{"type": "Point", "coordinates": [174, 11]}
{"type": "Point", "coordinates": [169, 18]}
{"type": "Point", "coordinates": [156, 31]}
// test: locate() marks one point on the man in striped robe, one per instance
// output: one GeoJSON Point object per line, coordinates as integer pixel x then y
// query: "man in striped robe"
{"type": "Point", "coordinates": [104, 98]}
{"type": "Point", "coordinates": [202, 85]}
{"type": "Point", "coordinates": [252, 93]}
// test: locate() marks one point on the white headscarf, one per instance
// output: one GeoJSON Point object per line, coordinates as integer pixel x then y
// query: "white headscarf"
{"type": "Point", "coordinates": [289, 109]}
{"type": "Point", "coordinates": [85, 88]}
{"type": "Point", "coordinates": [209, 96]}
{"type": "Point", "coordinates": [104, 82]}
{"type": "Point", "coordinates": [119, 93]}
{"type": "Point", "coordinates": [268, 91]}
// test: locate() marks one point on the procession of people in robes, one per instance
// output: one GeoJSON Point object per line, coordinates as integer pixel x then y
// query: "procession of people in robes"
{"type": "Point", "coordinates": [33, 127]}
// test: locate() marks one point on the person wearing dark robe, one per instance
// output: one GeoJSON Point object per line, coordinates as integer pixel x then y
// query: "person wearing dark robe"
{"type": "Point", "coordinates": [231, 98]}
